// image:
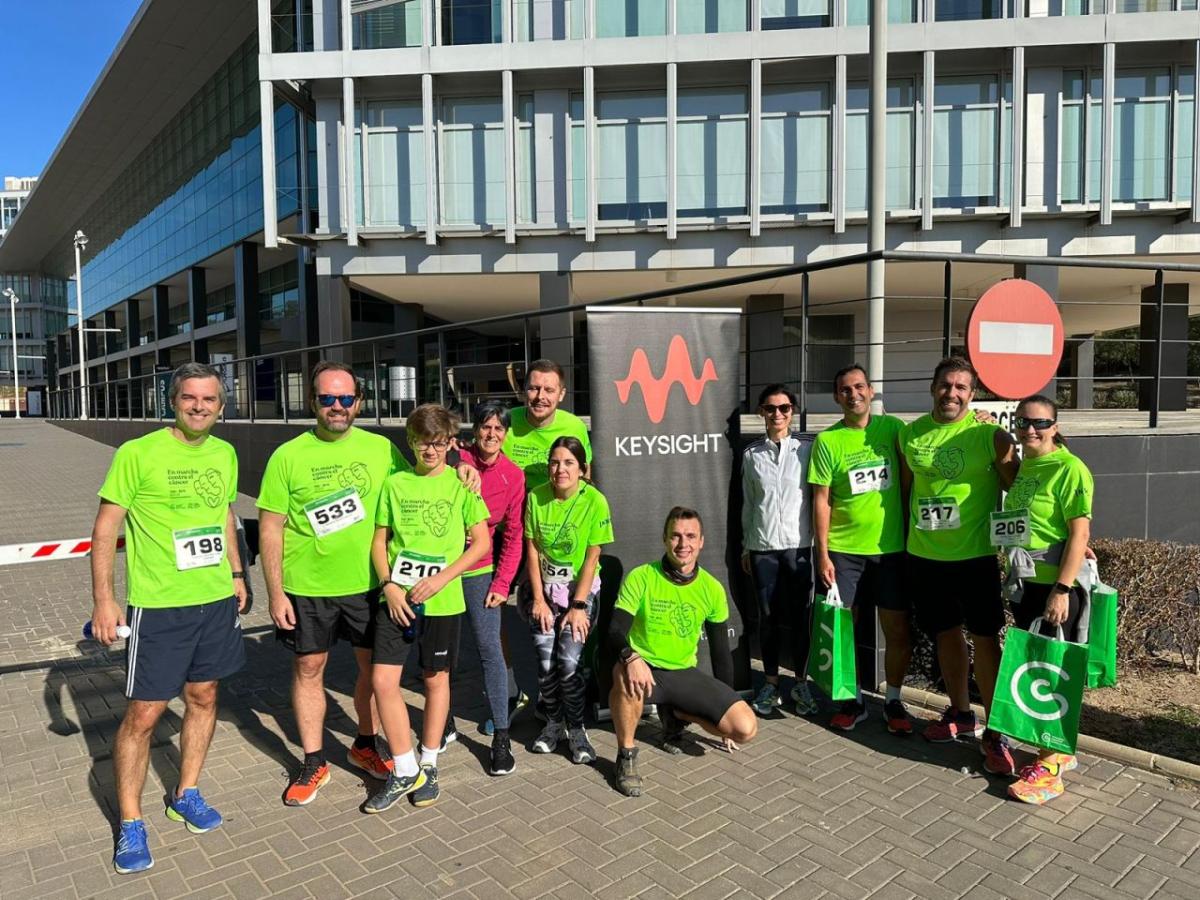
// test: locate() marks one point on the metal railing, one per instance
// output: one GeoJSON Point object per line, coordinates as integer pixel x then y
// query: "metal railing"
{"type": "Point", "coordinates": [452, 364]}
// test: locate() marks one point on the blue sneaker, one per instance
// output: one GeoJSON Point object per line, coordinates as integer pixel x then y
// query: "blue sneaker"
{"type": "Point", "coordinates": [193, 812]}
{"type": "Point", "coordinates": [132, 854]}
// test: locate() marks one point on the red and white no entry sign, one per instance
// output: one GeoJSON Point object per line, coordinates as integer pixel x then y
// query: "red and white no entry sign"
{"type": "Point", "coordinates": [1015, 338]}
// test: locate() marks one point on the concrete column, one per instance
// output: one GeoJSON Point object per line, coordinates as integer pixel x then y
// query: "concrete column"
{"type": "Point", "coordinates": [755, 142]}
{"type": "Point", "coordinates": [1106, 134]}
{"type": "Point", "coordinates": [1043, 91]}
{"type": "Point", "coordinates": [349, 191]}
{"type": "Point", "coordinates": [766, 360]}
{"type": "Point", "coordinates": [926, 181]}
{"type": "Point", "coordinates": [197, 288]}
{"type": "Point", "coordinates": [1016, 188]}
{"type": "Point", "coordinates": [838, 200]}
{"type": "Point", "coordinates": [328, 153]}
{"type": "Point", "coordinates": [1045, 277]}
{"type": "Point", "coordinates": [333, 313]}
{"type": "Point", "coordinates": [507, 102]}
{"type": "Point", "coordinates": [431, 181]}
{"type": "Point", "coordinates": [310, 332]}
{"type": "Point", "coordinates": [672, 150]}
{"type": "Point", "coordinates": [1173, 391]}
{"type": "Point", "coordinates": [106, 339]}
{"type": "Point", "coordinates": [589, 129]}
{"type": "Point", "coordinates": [162, 313]}
{"type": "Point", "coordinates": [266, 99]}
{"type": "Point", "coordinates": [1083, 368]}
{"type": "Point", "coordinates": [245, 298]}
{"type": "Point", "coordinates": [558, 332]}
{"type": "Point", "coordinates": [133, 322]}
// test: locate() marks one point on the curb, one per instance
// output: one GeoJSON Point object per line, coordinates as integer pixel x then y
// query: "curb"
{"type": "Point", "coordinates": [1129, 756]}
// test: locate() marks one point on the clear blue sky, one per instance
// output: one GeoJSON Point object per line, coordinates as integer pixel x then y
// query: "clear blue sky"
{"type": "Point", "coordinates": [53, 52]}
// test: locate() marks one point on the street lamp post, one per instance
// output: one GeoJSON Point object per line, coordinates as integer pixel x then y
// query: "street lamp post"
{"type": "Point", "coordinates": [81, 242]}
{"type": "Point", "coordinates": [13, 300]}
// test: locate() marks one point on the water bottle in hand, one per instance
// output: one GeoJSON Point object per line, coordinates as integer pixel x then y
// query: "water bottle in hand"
{"type": "Point", "coordinates": [123, 631]}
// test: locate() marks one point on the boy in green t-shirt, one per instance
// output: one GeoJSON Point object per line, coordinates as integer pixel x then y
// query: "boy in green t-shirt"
{"type": "Point", "coordinates": [423, 519]}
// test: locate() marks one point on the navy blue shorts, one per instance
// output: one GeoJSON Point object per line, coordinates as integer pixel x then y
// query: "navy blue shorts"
{"type": "Point", "coordinates": [171, 647]}
{"type": "Point", "coordinates": [878, 578]}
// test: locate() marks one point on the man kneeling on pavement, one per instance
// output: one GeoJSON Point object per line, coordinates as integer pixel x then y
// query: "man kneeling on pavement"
{"type": "Point", "coordinates": [654, 635]}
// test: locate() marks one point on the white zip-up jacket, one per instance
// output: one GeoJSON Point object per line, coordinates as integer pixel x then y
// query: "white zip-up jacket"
{"type": "Point", "coordinates": [776, 496]}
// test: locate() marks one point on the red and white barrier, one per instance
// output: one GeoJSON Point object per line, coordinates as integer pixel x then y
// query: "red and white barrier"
{"type": "Point", "coordinates": [11, 554]}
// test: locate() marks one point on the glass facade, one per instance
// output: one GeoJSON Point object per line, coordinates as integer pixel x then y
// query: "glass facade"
{"type": "Point", "coordinates": [970, 141]}
{"type": "Point", "coordinates": [394, 191]}
{"type": "Point", "coordinates": [901, 145]}
{"type": "Point", "coordinates": [780, 14]}
{"type": "Point", "coordinates": [631, 156]}
{"type": "Point", "coordinates": [396, 24]}
{"type": "Point", "coordinates": [471, 22]}
{"type": "Point", "coordinates": [471, 146]}
{"type": "Point", "coordinates": [630, 18]}
{"type": "Point", "coordinates": [796, 144]}
{"type": "Point", "coordinates": [279, 293]}
{"type": "Point", "coordinates": [711, 16]}
{"type": "Point", "coordinates": [713, 163]}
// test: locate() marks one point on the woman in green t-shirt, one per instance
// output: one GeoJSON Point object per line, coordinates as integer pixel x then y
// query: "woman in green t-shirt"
{"type": "Point", "coordinates": [566, 523]}
{"type": "Point", "coordinates": [1050, 504]}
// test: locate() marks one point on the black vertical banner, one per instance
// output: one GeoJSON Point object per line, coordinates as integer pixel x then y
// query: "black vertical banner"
{"type": "Point", "coordinates": [664, 403]}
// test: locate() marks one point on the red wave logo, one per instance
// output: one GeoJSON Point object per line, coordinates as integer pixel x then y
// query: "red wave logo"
{"type": "Point", "coordinates": [678, 370]}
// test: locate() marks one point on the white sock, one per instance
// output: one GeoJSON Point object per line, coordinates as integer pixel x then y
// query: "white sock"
{"type": "Point", "coordinates": [428, 757]}
{"type": "Point", "coordinates": [858, 695]}
{"type": "Point", "coordinates": [406, 764]}
{"type": "Point", "coordinates": [513, 690]}
{"type": "Point", "coordinates": [893, 693]}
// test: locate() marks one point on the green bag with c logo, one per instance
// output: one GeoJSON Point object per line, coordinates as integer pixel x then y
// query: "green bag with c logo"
{"type": "Point", "coordinates": [1039, 691]}
{"type": "Point", "coordinates": [831, 663]}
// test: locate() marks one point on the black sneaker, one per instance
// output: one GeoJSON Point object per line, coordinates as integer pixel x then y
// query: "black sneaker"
{"type": "Point", "coordinates": [449, 735]}
{"type": "Point", "coordinates": [427, 794]}
{"type": "Point", "coordinates": [672, 729]}
{"type": "Point", "coordinates": [502, 758]}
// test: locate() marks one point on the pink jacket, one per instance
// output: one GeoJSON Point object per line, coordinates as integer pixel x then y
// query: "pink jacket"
{"type": "Point", "coordinates": [504, 493]}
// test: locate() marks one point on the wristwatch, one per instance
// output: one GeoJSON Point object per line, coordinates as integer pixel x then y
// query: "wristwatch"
{"type": "Point", "coordinates": [1060, 588]}
{"type": "Point", "coordinates": [241, 575]}
{"type": "Point", "coordinates": [579, 604]}
{"type": "Point", "coordinates": [628, 655]}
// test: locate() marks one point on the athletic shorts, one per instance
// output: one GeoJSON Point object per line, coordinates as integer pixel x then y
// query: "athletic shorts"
{"type": "Point", "coordinates": [878, 578]}
{"type": "Point", "coordinates": [1033, 604]}
{"type": "Point", "coordinates": [167, 648]}
{"type": "Point", "coordinates": [692, 691]}
{"type": "Point", "coordinates": [436, 639]}
{"type": "Point", "coordinates": [953, 594]}
{"type": "Point", "coordinates": [320, 621]}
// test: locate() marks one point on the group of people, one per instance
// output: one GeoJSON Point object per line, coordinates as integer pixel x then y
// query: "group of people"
{"type": "Point", "coordinates": [359, 544]}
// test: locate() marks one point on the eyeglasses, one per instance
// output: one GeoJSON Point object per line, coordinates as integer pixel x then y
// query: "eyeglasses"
{"type": "Point", "coordinates": [432, 445]}
{"type": "Point", "coordinates": [1037, 424]}
{"type": "Point", "coordinates": [327, 400]}
{"type": "Point", "coordinates": [770, 409]}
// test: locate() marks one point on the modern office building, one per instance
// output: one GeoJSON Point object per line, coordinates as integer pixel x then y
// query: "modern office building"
{"type": "Point", "coordinates": [253, 179]}
{"type": "Point", "coordinates": [12, 198]}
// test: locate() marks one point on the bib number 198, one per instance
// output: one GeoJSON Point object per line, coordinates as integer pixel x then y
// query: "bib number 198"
{"type": "Point", "coordinates": [196, 548]}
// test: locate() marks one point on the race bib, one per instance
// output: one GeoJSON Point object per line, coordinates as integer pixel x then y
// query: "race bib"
{"type": "Point", "coordinates": [937, 513]}
{"type": "Point", "coordinates": [335, 512]}
{"type": "Point", "coordinates": [196, 548]}
{"type": "Point", "coordinates": [556, 573]}
{"type": "Point", "coordinates": [876, 476]}
{"type": "Point", "coordinates": [409, 567]}
{"type": "Point", "coordinates": [1009, 529]}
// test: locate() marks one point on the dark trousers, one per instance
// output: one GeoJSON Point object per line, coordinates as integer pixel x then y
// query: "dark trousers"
{"type": "Point", "coordinates": [783, 584]}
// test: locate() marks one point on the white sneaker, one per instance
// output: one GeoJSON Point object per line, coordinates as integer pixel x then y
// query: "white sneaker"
{"type": "Point", "coordinates": [552, 735]}
{"type": "Point", "coordinates": [803, 698]}
{"type": "Point", "coordinates": [581, 748]}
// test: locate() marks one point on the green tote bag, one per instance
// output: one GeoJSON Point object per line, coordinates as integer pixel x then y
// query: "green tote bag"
{"type": "Point", "coordinates": [831, 660]}
{"type": "Point", "coordinates": [1102, 628]}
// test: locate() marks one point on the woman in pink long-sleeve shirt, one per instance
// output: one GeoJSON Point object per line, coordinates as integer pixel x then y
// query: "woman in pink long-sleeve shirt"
{"type": "Point", "coordinates": [486, 586]}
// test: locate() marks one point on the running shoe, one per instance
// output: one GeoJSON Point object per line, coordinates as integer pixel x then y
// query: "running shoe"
{"type": "Point", "coordinates": [629, 780]}
{"type": "Point", "coordinates": [370, 761]}
{"type": "Point", "coordinates": [767, 700]}
{"type": "Point", "coordinates": [1037, 784]}
{"type": "Point", "coordinates": [449, 734]}
{"type": "Point", "coordinates": [1066, 762]}
{"type": "Point", "coordinates": [582, 750]}
{"type": "Point", "coordinates": [998, 758]}
{"type": "Point", "coordinates": [191, 809]}
{"type": "Point", "coordinates": [397, 786]}
{"type": "Point", "coordinates": [849, 714]}
{"type": "Point", "coordinates": [428, 792]}
{"type": "Point", "coordinates": [898, 721]}
{"type": "Point", "coordinates": [803, 699]}
{"type": "Point", "coordinates": [302, 789]}
{"type": "Point", "coordinates": [953, 724]}
{"type": "Point", "coordinates": [132, 853]}
{"type": "Point", "coordinates": [549, 739]}
{"type": "Point", "coordinates": [502, 762]}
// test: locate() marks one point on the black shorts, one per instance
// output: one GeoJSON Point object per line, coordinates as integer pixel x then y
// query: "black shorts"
{"type": "Point", "coordinates": [168, 648]}
{"type": "Point", "coordinates": [963, 592]}
{"type": "Point", "coordinates": [877, 578]}
{"type": "Point", "coordinates": [1033, 604]}
{"type": "Point", "coordinates": [320, 621]}
{"type": "Point", "coordinates": [436, 639]}
{"type": "Point", "coordinates": [692, 691]}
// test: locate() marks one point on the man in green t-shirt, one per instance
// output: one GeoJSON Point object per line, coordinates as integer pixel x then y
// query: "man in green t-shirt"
{"type": "Point", "coordinates": [858, 527]}
{"type": "Point", "coordinates": [656, 625]}
{"type": "Point", "coordinates": [317, 508]}
{"type": "Point", "coordinates": [422, 521]}
{"type": "Point", "coordinates": [953, 467]}
{"type": "Point", "coordinates": [540, 422]}
{"type": "Point", "coordinates": [185, 587]}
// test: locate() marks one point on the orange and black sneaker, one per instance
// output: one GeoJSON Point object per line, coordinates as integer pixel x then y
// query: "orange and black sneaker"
{"type": "Point", "coordinates": [303, 788]}
{"type": "Point", "coordinates": [369, 760]}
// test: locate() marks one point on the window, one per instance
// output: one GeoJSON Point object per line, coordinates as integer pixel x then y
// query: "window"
{"type": "Point", "coordinates": [220, 305]}
{"type": "Point", "coordinates": [710, 16]}
{"type": "Point", "coordinates": [577, 187]}
{"type": "Point", "coordinates": [1072, 138]}
{"type": "Point", "coordinates": [526, 171]}
{"type": "Point", "coordinates": [779, 14]}
{"type": "Point", "coordinates": [471, 22]}
{"type": "Point", "coordinates": [630, 18]}
{"type": "Point", "coordinates": [712, 152]}
{"type": "Point", "coordinates": [969, 145]}
{"type": "Point", "coordinates": [962, 10]}
{"type": "Point", "coordinates": [394, 194]}
{"type": "Point", "coordinates": [631, 163]}
{"type": "Point", "coordinates": [472, 148]}
{"type": "Point", "coordinates": [548, 20]}
{"type": "Point", "coordinates": [396, 24]}
{"type": "Point", "coordinates": [795, 148]}
{"type": "Point", "coordinates": [1186, 92]}
{"type": "Point", "coordinates": [901, 138]}
{"type": "Point", "coordinates": [279, 293]}
{"type": "Point", "coordinates": [370, 309]}
{"type": "Point", "coordinates": [858, 12]}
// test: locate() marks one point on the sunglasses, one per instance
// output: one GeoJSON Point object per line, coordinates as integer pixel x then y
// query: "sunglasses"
{"type": "Point", "coordinates": [327, 400]}
{"type": "Point", "coordinates": [1037, 424]}
{"type": "Point", "coordinates": [770, 408]}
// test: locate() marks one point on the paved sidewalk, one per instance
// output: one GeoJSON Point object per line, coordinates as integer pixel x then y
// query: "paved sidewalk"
{"type": "Point", "coordinates": [801, 812]}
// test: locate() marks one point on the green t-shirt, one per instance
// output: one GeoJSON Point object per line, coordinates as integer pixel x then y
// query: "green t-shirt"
{"type": "Point", "coordinates": [859, 467]}
{"type": "Point", "coordinates": [1055, 488]}
{"type": "Point", "coordinates": [529, 447]}
{"type": "Point", "coordinates": [333, 487]}
{"type": "Point", "coordinates": [429, 517]}
{"type": "Point", "coordinates": [668, 617]}
{"type": "Point", "coordinates": [177, 499]}
{"type": "Point", "coordinates": [955, 487]}
{"type": "Point", "coordinates": [564, 529]}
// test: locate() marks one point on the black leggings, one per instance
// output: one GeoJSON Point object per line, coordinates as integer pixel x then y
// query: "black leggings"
{"type": "Point", "coordinates": [782, 582]}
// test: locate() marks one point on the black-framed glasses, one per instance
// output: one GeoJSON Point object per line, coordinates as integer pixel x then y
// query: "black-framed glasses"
{"type": "Point", "coordinates": [1037, 424]}
{"type": "Point", "coordinates": [441, 444]}
{"type": "Point", "coordinates": [770, 408]}
{"type": "Point", "coordinates": [327, 400]}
